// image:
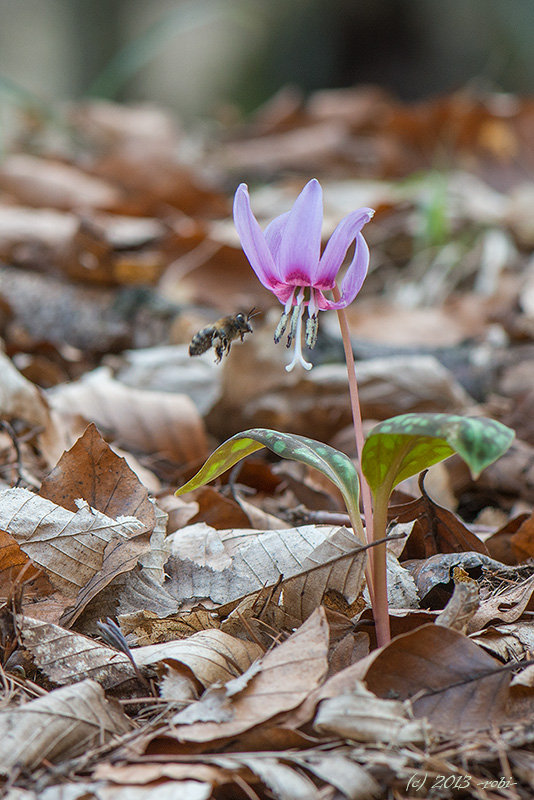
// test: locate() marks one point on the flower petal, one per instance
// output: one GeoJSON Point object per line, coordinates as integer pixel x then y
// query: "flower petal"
{"type": "Point", "coordinates": [253, 241]}
{"type": "Point", "coordinates": [338, 244]}
{"type": "Point", "coordinates": [273, 234]}
{"type": "Point", "coordinates": [353, 280]}
{"type": "Point", "coordinates": [300, 247]}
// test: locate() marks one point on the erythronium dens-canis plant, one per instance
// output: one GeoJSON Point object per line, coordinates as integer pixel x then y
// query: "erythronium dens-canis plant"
{"type": "Point", "coordinates": [287, 259]}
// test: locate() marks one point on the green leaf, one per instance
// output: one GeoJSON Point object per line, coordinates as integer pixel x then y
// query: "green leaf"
{"type": "Point", "coordinates": [405, 445]}
{"type": "Point", "coordinates": [335, 465]}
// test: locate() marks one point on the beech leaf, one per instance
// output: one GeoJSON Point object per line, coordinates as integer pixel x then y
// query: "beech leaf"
{"type": "Point", "coordinates": [60, 725]}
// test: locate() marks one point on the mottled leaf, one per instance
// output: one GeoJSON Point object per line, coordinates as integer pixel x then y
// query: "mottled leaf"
{"type": "Point", "coordinates": [332, 463]}
{"type": "Point", "coordinates": [405, 445]}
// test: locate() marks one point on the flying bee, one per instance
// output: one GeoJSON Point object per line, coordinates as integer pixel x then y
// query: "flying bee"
{"type": "Point", "coordinates": [221, 334]}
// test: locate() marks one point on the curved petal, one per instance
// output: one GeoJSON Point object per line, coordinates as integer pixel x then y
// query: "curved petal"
{"type": "Point", "coordinates": [300, 247]}
{"type": "Point", "coordinates": [338, 244]}
{"type": "Point", "coordinates": [273, 234]}
{"type": "Point", "coordinates": [353, 280]}
{"type": "Point", "coordinates": [252, 239]}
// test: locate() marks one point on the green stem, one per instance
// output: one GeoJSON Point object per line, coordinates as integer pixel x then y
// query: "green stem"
{"type": "Point", "coordinates": [377, 555]}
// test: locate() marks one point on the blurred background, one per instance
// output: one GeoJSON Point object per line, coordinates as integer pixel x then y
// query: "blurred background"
{"type": "Point", "coordinates": [200, 57]}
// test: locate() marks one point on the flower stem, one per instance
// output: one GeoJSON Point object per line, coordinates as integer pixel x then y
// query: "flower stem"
{"type": "Point", "coordinates": [377, 588]}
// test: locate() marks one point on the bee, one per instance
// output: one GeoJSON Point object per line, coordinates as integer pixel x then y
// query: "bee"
{"type": "Point", "coordinates": [221, 334]}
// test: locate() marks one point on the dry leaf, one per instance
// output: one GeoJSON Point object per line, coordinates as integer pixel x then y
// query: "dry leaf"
{"type": "Point", "coordinates": [67, 657]}
{"type": "Point", "coordinates": [210, 656]}
{"type": "Point", "coordinates": [71, 547]}
{"type": "Point", "coordinates": [148, 422]}
{"type": "Point", "coordinates": [451, 680]}
{"type": "Point", "coordinates": [19, 398]}
{"type": "Point", "coordinates": [41, 182]}
{"type": "Point", "coordinates": [433, 576]}
{"type": "Point", "coordinates": [436, 530]}
{"type": "Point", "coordinates": [363, 717]}
{"type": "Point", "coordinates": [145, 627]}
{"type": "Point", "coordinates": [12, 560]}
{"type": "Point", "coordinates": [92, 471]}
{"type": "Point", "coordinates": [461, 607]}
{"type": "Point", "coordinates": [308, 560]}
{"type": "Point", "coordinates": [85, 790]}
{"type": "Point", "coordinates": [47, 232]}
{"type": "Point", "coordinates": [335, 767]}
{"type": "Point", "coordinates": [283, 781]}
{"type": "Point", "coordinates": [62, 724]}
{"type": "Point", "coordinates": [510, 642]}
{"type": "Point", "coordinates": [298, 664]}
{"type": "Point", "coordinates": [504, 605]}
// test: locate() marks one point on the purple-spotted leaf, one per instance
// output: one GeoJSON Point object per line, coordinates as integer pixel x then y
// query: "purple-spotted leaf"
{"type": "Point", "coordinates": [332, 463]}
{"type": "Point", "coordinates": [405, 445]}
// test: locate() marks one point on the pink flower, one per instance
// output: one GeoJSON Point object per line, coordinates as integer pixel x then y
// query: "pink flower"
{"type": "Point", "coordinates": [287, 259]}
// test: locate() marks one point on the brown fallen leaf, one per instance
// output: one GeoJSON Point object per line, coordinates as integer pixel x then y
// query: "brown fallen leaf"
{"type": "Point", "coordinates": [92, 471]}
{"type": "Point", "coordinates": [338, 769]}
{"type": "Point", "coordinates": [19, 398]}
{"type": "Point", "coordinates": [146, 627]}
{"type": "Point", "coordinates": [436, 529]}
{"type": "Point", "coordinates": [36, 234]}
{"type": "Point", "coordinates": [510, 642]}
{"type": "Point", "coordinates": [298, 665]}
{"type": "Point", "coordinates": [217, 510]}
{"type": "Point", "coordinates": [209, 656]}
{"type": "Point", "coordinates": [433, 576]}
{"type": "Point", "coordinates": [282, 780]}
{"type": "Point", "coordinates": [503, 606]}
{"type": "Point", "coordinates": [12, 561]}
{"type": "Point", "coordinates": [119, 557]}
{"type": "Point", "coordinates": [462, 606]}
{"type": "Point", "coordinates": [148, 422]}
{"type": "Point", "coordinates": [62, 724]}
{"type": "Point", "coordinates": [363, 717]}
{"type": "Point", "coordinates": [41, 182]}
{"type": "Point", "coordinates": [522, 541]}
{"type": "Point", "coordinates": [67, 657]}
{"type": "Point", "coordinates": [277, 772]}
{"type": "Point", "coordinates": [233, 564]}
{"type": "Point", "coordinates": [70, 547]}
{"type": "Point", "coordinates": [450, 680]}
{"type": "Point", "coordinates": [500, 543]}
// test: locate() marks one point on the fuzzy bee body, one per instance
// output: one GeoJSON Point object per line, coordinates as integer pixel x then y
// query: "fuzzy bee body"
{"type": "Point", "coordinates": [220, 335]}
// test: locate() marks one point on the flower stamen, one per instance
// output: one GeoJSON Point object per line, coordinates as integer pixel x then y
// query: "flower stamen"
{"type": "Point", "coordinates": [282, 325]}
{"type": "Point", "coordinates": [312, 323]}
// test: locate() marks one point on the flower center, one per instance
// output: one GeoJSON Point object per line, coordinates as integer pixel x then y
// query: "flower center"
{"type": "Point", "coordinates": [292, 314]}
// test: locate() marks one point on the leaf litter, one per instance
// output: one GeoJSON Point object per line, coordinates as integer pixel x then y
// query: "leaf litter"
{"type": "Point", "coordinates": [245, 663]}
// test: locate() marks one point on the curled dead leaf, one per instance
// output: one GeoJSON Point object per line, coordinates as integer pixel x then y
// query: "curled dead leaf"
{"type": "Point", "coordinates": [60, 725]}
